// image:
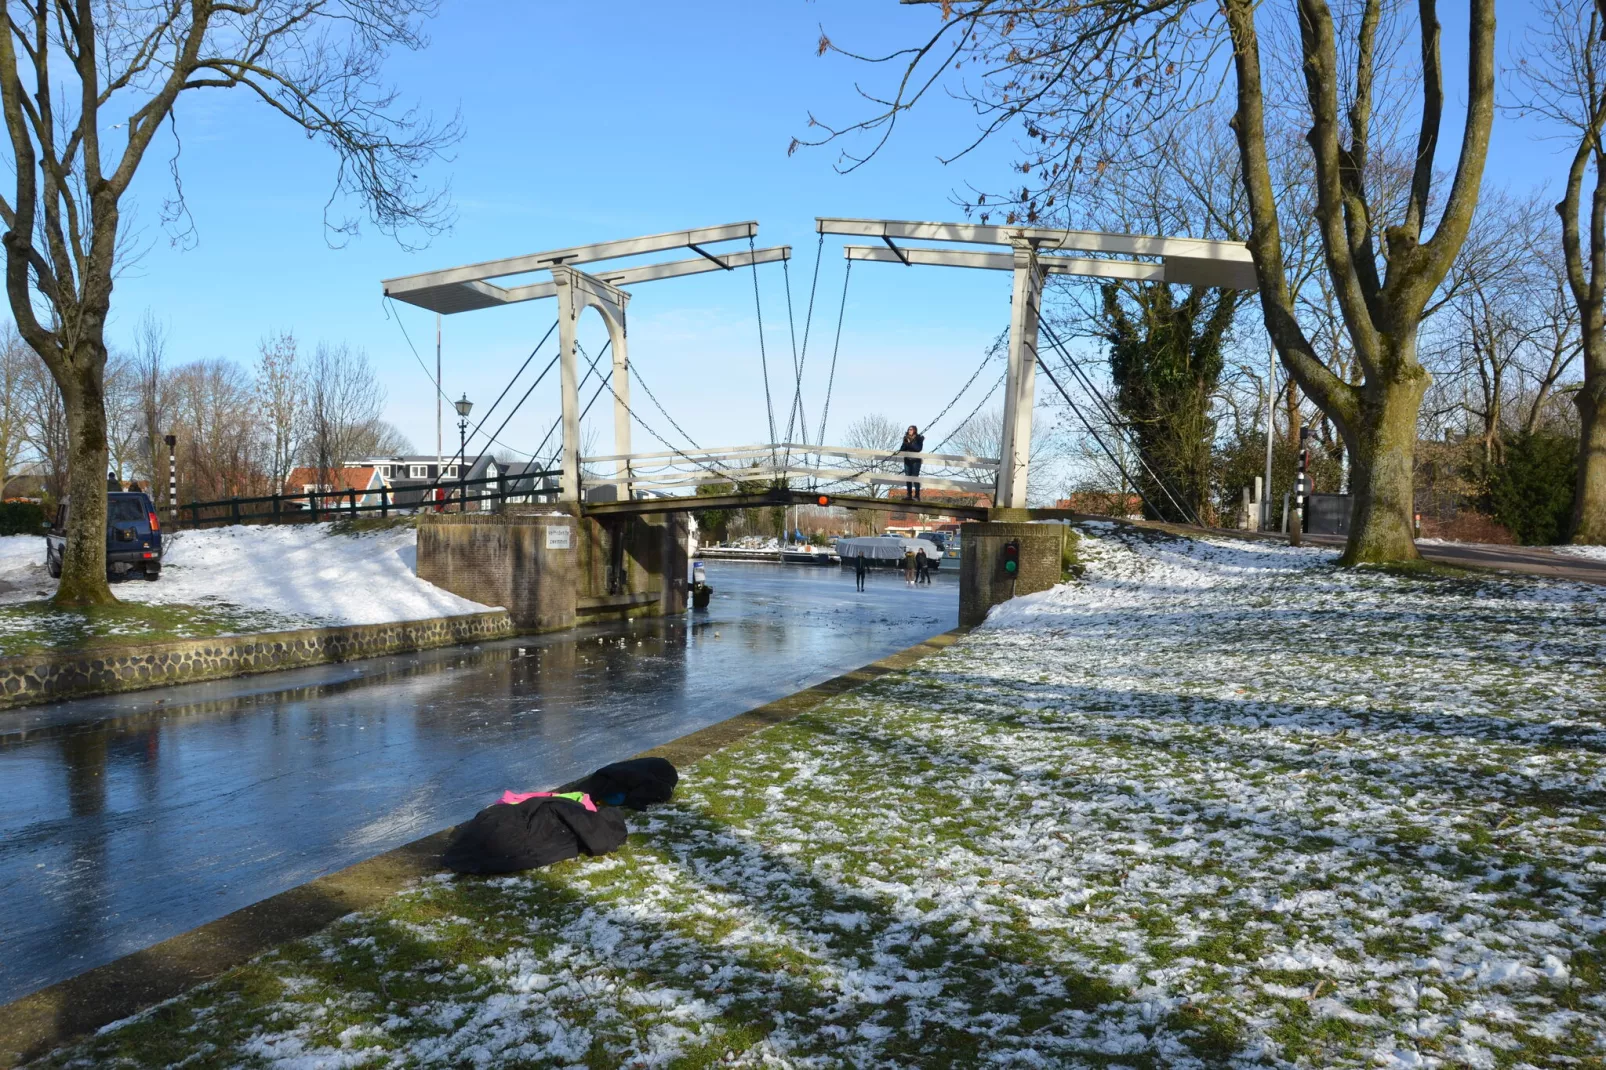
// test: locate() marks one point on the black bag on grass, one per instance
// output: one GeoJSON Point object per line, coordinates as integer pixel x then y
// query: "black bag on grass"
{"type": "Point", "coordinates": [637, 783]}
{"type": "Point", "coordinates": [505, 838]}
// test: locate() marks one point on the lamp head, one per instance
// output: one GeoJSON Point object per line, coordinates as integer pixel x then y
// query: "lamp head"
{"type": "Point", "coordinates": [463, 406]}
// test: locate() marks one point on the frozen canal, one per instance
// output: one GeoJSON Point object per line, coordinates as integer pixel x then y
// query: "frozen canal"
{"type": "Point", "coordinates": [127, 820]}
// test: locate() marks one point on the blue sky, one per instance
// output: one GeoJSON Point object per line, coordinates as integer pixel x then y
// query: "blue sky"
{"type": "Point", "coordinates": [586, 123]}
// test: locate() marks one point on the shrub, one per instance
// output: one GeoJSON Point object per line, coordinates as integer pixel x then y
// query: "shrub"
{"type": "Point", "coordinates": [22, 518]}
{"type": "Point", "coordinates": [1532, 492]}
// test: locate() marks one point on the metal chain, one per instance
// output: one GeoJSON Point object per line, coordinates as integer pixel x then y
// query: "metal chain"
{"type": "Point", "coordinates": [960, 426]}
{"type": "Point", "coordinates": [643, 384]}
{"type": "Point", "coordinates": [803, 358]}
{"type": "Point", "coordinates": [390, 315]}
{"type": "Point", "coordinates": [763, 359]}
{"type": "Point", "coordinates": [830, 382]}
{"type": "Point", "coordinates": [797, 368]}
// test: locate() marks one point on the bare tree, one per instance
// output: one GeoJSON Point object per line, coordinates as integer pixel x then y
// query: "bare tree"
{"type": "Point", "coordinates": [1563, 80]}
{"type": "Point", "coordinates": [281, 392]}
{"type": "Point", "coordinates": [17, 362]}
{"type": "Point", "coordinates": [343, 405]}
{"type": "Point", "coordinates": [125, 439]}
{"type": "Point", "coordinates": [1482, 339]}
{"type": "Point", "coordinates": [874, 431]}
{"type": "Point", "coordinates": [45, 429]}
{"type": "Point", "coordinates": [155, 400]}
{"type": "Point", "coordinates": [380, 438]}
{"type": "Point", "coordinates": [77, 76]}
{"type": "Point", "coordinates": [1080, 80]}
{"type": "Point", "coordinates": [218, 429]}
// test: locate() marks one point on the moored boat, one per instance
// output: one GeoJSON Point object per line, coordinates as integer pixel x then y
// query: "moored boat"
{"type": "Point", "coordinates": [886, 551]}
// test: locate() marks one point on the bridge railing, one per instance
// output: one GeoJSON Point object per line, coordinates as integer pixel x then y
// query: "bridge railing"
{"type": "Point", "coordinates": [308, 507]}
{"type": "Point", "coordinates": [783, 462]}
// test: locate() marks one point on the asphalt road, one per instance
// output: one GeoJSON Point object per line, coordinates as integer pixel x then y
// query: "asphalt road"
{"type": "Point", "coordinates": [129, 819]}
{"type": "Point", "coordinates": [1523, 560]}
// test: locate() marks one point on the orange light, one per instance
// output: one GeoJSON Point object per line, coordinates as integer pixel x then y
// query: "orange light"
{"type": "Point", "coordinates": [824, 500]}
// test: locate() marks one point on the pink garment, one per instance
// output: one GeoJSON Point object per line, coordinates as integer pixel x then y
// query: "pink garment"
{"type": "Point", "coordinates": [513, 798]}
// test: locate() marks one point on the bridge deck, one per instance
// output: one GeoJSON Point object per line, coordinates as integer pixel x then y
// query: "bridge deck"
{"type": "Point", "coordinates": [777, 496]}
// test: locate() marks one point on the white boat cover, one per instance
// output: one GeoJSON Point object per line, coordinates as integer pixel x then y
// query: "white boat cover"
{"type": "Point", "coordinates": [886, 548]}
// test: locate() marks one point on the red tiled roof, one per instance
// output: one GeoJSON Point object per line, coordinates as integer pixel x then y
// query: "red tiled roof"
{"type": "Point", "coordinates": [338, 479]}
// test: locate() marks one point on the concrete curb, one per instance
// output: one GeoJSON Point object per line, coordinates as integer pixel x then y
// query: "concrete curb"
{"type": "Point", "coordinates": [69, 1010]}
{"type": "Point", "coordinates": [29, 679]}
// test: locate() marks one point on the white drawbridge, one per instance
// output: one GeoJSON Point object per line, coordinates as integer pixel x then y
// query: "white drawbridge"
{"type": "Point", "coordinates": [1029, 253]}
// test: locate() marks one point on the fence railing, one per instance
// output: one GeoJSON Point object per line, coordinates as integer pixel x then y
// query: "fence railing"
{"type": "Point", "coordinates": [680, 470]}
{"type": "Point", "coordinates": [314, 506]}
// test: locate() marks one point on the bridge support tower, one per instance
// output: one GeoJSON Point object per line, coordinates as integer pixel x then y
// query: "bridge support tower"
{"type": "Point", "coordinates": [553, 570]}
{"type": "Point", "coordinates": [983, 582]}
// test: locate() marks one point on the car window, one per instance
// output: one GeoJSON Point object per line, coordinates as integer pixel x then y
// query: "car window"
{"type": "Point", "coordinates": [125, 511]}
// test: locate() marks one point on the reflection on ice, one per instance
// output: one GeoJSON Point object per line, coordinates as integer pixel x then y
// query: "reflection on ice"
{"type": "Point", "coordinates": [127, 819]}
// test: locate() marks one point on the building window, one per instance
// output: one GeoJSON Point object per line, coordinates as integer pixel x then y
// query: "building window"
{"type": "Point", "coordinates": [418, 471]}
{"type": "Point", "coordinates": [490, 471]}
{"type": "Point", "coordinates": [451, 471]}
{"type": "Point", "coordinates": [383, 469]}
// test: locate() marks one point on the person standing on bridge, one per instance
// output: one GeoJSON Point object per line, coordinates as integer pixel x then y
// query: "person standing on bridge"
{"type": "Point", "coordinates": [913, 442]}
{"type": "Point", "coordinates": [861, 569]}
{"type": "Point", "coordinates": [922, 568]}
{"type": "Point", "coordinates": [909, 566]}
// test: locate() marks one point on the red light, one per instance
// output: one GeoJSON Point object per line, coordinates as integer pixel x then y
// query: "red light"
{"type": "Point", "coordinates": [824, 500]}
{"type": "Point", "coordinates": [155, 524]}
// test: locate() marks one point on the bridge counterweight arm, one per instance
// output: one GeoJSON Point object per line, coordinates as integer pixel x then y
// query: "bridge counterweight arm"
{"type": "Point", "coordinates": [469, 296]}
{"type": "Point", "coordinates": [578, 254]}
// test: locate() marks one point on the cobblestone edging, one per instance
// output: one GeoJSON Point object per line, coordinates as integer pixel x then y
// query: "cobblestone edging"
{"type": "Point", "coordinates": [28, 679]}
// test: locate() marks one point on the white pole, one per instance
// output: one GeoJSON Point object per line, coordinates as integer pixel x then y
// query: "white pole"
{"type": "Point", "coordinates": [1020, 389]}
{"type": "Point", "coordinates": [440, 450]}
{"type": "Point", "coordinates": [569, 382]}
{"type": "Point", "coordinates": [1271, 395]}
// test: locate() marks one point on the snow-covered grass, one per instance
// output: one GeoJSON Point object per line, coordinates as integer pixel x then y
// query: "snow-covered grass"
{"type": "Point", "coordinates": [235, 579]}
{"type": "Point", "coordinates": [319, 573]}
{"type": "Point", "coordinates": [1220, 804]}
{"type": "Point", "coordinates": [1594, 553]}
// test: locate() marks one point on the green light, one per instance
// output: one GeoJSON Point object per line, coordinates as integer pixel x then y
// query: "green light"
{"type": "Point", "coordinates": [1009, 566]}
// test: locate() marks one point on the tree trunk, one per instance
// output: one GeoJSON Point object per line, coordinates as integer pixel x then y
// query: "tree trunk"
{"type": "Point", "coordinates": [1589, 499]}
{"type": "Point", "coordinates": [1383, 456]}
{"type": "Point", "coordinates": [83, 563]}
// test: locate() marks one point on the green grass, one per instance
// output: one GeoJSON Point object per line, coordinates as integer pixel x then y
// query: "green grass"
{"type": "Point", "coordinates": [1138, 843]}
{"type": "Point", "coordinates": [40, 627]}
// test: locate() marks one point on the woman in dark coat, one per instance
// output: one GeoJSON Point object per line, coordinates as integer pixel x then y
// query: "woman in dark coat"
{"type": "Point", "coordinates": [913, 442]}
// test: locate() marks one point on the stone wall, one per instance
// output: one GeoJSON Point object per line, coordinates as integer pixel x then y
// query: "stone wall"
{"type": "Point", "coordinates": [526, 563]}
{"type": "Point", "coordinates": [552, 569]}
{"type": "Point", "coordinates": [983, 583]}
{"type": "Point", "coordinates": [35, 678]}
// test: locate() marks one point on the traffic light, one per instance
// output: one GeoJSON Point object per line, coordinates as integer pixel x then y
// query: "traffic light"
{"type": "Point", "coordinates": [825, 499]}
{"type": "Point", "coordinates": [1012, 556]}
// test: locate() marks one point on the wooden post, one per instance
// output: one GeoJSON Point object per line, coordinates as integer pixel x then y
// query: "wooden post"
{"type": "Point", "coordinates": [234, 509]}
{"type": "Point", "coordinates": [353, 496]}
{"type": "Point", "coordinates": [384, 502]}
{"type": "Point", "coordinates": [276, 508]}
{"type": "Point", "coordinates": [312, 505]}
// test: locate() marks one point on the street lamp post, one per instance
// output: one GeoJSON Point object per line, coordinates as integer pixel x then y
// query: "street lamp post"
{"type": "Point", "coordinates": [464, 406]}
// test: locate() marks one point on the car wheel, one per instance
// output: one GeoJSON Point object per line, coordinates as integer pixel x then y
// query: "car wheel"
{"type": "Point", "coordinates": [52, 565]}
